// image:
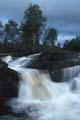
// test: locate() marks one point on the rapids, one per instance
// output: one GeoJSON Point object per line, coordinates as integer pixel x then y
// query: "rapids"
{"type": "Point", "coordinates": [42, 99]}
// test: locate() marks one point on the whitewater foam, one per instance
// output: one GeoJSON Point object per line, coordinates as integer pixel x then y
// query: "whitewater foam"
{"type": "Point", "coordinates": [43, 99]}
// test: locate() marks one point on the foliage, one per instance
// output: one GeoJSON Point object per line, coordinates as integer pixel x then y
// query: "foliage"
{"type": "Point", "coordinates": [11, 31]}
{"type": "Point", "coordinates": [32, 26]}
{"type": "Point", "coordinates": [73, 45]}
{"type": "Point", "coordinates": [1, 30]}
{"type": "Point", "coordinates": [50, 37]}
{"type": "Point", "coordinates": [27, 36]}
{"type": "Point", "coordinates": [59, 45]}
{"type": "Point", "coordinates": [66, 44]}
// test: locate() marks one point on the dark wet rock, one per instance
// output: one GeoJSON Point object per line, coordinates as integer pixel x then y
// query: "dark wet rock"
{"type": "Point", "coordinates": [5, 110]}
{"type": "Point", "coordinates": [56, 76]}
{"type": "Point", "coordinates": [57, 56]}
{"type": "Point", "coordinates": [3, 65]}
{"type": "Point", "coordinates": [54, 62]}
{"type": "Point", "coordinates": [8, 86]}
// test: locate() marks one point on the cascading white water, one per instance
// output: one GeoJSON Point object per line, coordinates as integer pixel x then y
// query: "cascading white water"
{"type": "Point", "coordinates": [43, 99]}
{"type": "Point", "coordinates": [71, 72]}
{"type": "Point", "coordinates": [7, 59]}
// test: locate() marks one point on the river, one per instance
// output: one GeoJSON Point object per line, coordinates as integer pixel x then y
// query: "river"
{"type": "Point", "coordinates": [41, 99]}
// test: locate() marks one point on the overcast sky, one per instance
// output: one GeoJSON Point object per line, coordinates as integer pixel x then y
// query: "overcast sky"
{"type": "Point", "coordinates": [64, 15]}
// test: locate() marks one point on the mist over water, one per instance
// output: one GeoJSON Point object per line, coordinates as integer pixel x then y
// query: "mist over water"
{"type": "Point", "coordinates": [42, 99]}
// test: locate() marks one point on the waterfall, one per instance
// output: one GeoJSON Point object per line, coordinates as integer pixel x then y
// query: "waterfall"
{"type": "Point", "coordinates": [43, 99]}
{"type": "Point", "coordinates": [35, 84]}
{"type": "Point", "coordinates": [71, 72]}
{"type": "Point", "coordinates": [7, 59]}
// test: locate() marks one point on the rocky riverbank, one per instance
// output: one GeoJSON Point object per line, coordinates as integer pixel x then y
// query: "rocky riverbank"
{"type": "Point", "coordinates": [8, 86]}
{"type": "Point", "coordinates": [51, 61]}
{"type": "Point", "coordinates": [56, 60]}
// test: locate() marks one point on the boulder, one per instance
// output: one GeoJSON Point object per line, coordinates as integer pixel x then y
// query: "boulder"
{"type": "Point", "coordinates": [55, 62]}
{"type": "Point", "coordinates": [8, 85]}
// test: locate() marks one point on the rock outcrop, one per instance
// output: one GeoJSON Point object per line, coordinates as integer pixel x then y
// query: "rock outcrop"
{"type": "Point", "coordinates": [54, 62]}
{"type": "Point", "coordinates": [8, 85]}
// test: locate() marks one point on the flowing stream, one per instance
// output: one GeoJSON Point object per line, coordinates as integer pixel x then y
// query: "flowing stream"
{"type": "Point", "coordinates": [40, 98]}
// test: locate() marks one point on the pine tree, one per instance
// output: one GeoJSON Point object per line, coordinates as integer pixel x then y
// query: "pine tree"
{"type": "Point", "coordinates": [32, 26]}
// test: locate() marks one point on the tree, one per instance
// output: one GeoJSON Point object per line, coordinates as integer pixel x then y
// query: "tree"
{"type": "Point", "coordinates": [32, 26]}
{"type": "Point", "coordinates": [1, 30]}
{"type": "Point", "coordinates": [73, 45]}
{"type": "Point", "coordinates": [66, 44]}
{"type": "Point", "coordinates": [59, 45]}
{"type": "Point", "coordinates": [50, 38]}
{"type": "Point", "coordinates": [11, 30]}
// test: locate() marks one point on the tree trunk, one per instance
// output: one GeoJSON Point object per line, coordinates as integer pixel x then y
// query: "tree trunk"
{"type": "Point", "coordinates": [34, 42]}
